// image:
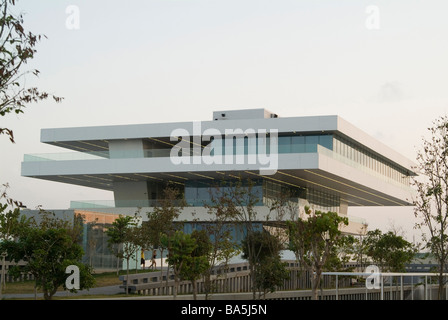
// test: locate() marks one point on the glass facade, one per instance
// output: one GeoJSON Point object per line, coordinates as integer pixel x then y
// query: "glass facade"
{"type": "Point", "coordinates": [291, 143]}
{"type": "Point", "coordinates": [323, 201]}
{"type": "Point", "coordinates": [368, 159]}
{"type": "Point", "coordinates": [101, 257]}
{"type": "Point", "coordinates": [237, 231]}
{"type": "Point", "coordinates": [318, 200]}
{"type": "Point", "coordinates": [301, 144]}
{"type": "Point", "coordinates": [343, 148]}
{"type": "Point", "coordinates": [286, 144]}
{"type": "Point", "coordinates": [198, 193]}
{"type": "Point", "coordinates": [349, 150]}
{"type": "Point", "coordinates": [94, 239]}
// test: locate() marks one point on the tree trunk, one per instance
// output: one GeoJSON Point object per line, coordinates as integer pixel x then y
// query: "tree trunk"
{"type": "Point", "coordinates": [167, 275]}
{"type": "Point", "coordinates": [252, 277]}
{"type": "Point", "coordinates": [195, 290]}
{"type": "Point", "coordinates": [315, 282]}
{"type": "Point", "coordinates": [441, 290]}
{"type": "Point", "coordinates": [127, 275]}
{"type": "Point", "coordinates": [118, 265]}
{"type": "Point", "coordinates": [176, 285]}
{"type": "Point", "coordinates": [207, 284]}
{"type": "Point", "coordinates": [161, 267]}
{"type": "Point", "coordinates": [48, 295]}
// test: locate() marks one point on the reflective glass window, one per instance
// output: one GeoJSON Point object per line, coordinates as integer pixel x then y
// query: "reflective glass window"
{"type": "Point", "coordinates": [326, 141]}
{"type": "Point", "coordinates": [311, 143]}
{"type": "Point", "coordinates": [297, 144]}
{"type": "Point", "coordinates": [284, 144]}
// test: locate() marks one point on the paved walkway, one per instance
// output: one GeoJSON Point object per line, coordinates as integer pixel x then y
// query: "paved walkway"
{"type": "Point", "coordinates": [109, 290]}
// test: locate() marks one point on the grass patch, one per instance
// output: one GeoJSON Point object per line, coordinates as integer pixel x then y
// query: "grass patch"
{"type": "Point", "coordinates": [103, 279]}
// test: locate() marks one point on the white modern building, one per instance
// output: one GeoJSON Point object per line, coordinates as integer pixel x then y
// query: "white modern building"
{"type": "Point", "coordinates": [323, 161]}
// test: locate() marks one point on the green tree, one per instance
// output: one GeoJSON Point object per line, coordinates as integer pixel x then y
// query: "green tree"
{"type": "Point", "coordinates": [180, 247]}
{"type": "Point", "coordinates": [269, 272]}
{"type": "Point", "coordinates": [161, 220]}
{"type": "Point", "coordinates": [236, 202]}
{"type": "Point", "coordinates": [358, 249]}
{"type": "Point", "coordinates": [197, 263]}
{"type": "Point", "coordinates": [314, 239]}
{"type": "Point", "coordinates": [117, 236]}
{"type": "Point", "coordinates": [346, 250]}
{"type": "Point", "coordinates": [17, 48]}
{"type": "Point", "coordinates": [11, 224]}
{"type": "Point", "coordinates": [431, 200]}
{"type": "Point", "coordinates": [389, 251]}
{"type": "Point", "coordinates": [124, 234]}
{"type": "Point", "coordinates": [219, 228]}
{"type": "Point", "coordinates": [48, 247]}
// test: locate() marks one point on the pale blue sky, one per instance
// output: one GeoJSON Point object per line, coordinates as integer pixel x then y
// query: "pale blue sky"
{"type": "Point", "coordinates": [162, 61]}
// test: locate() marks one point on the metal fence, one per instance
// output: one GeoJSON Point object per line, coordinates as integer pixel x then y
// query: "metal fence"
{"type": "Point", "coordinates": [236, 280]}
{"type": "Point", "coordinates": [410, 285]}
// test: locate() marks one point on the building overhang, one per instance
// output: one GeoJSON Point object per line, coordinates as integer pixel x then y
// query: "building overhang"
{"type": "Point", "coordinates": [98, 138]}
{"type": "Point", "coordinates": [318, 170]}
